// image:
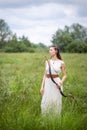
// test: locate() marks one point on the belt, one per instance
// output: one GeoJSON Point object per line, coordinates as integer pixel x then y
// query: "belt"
{"type": "Point", "coordinates": [53, 76]}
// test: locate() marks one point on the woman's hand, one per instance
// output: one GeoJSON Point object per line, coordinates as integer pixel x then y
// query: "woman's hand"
{"type": "Point", "coordinates": [42, 91]}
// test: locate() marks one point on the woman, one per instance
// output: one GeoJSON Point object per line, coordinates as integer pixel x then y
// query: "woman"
{"type": "Point", "coordinates": [51, 96]}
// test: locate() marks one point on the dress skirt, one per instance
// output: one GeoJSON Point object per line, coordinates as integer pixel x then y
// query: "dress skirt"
{"type": "Point", "coordinates": [52, 98]}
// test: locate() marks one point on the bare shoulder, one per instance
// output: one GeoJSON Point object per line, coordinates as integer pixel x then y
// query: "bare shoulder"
{"type": "Point", "coordinates": [62, 62]}
{"type": "Point", "coordinates": [46, 62]}
{"type": "Point", "coordinates": [62, 65]}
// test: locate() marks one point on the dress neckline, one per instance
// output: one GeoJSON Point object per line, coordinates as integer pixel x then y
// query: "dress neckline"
{"type": "Point", "coordinates": [54, 61]}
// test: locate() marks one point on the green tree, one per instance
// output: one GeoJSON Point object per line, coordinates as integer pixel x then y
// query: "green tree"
{"type": "Point", "coordinates": [66, 37]}
{"type": "Point", "coordinates": [78, 32]}
{"type": "Point", "coordinates": [15, 46]}
{"type": "Point", "coordinates": [77, 46]}
{"type": "Point", "coordinates": [5, 32]}
{"type": "Point", "coordinates": [25, 40]}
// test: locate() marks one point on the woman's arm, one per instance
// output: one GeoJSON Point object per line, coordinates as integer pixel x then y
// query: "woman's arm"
{"type": "Point", "coordinates": [43, 82]}
{"type": "Point", "coordinates": [42, 85]}
{"type": "Point", "coordinates": [63, 68]}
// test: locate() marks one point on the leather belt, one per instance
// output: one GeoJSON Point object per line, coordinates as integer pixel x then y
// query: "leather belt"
{"type": "Point", "coordinates": [53, 76]}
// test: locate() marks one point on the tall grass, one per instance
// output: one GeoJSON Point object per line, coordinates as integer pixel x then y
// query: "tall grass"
{"type": "Point", "coordinates": [20, 80]}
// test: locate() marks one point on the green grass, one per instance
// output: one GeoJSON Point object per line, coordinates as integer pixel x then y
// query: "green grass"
{"type": "Point", "coordinates": [20, 81]}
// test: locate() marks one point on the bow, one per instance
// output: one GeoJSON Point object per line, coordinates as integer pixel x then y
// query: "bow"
{"type": "Point", "coordinates": [69, 95]}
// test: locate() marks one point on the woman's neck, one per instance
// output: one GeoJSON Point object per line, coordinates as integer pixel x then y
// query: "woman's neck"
{"type": "Point", "coordinates": [54, 58]}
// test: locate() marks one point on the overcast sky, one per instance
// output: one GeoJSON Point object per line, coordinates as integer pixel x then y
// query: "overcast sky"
{"type": "Point", "coordinates": [40, 19]}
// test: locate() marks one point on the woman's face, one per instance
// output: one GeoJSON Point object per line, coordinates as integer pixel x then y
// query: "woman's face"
{"type": "Point", "coordinates": [52, 51]}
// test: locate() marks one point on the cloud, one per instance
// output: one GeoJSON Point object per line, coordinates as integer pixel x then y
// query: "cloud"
{"type": "Point", "coordinates": [23, 3]}
{"type": "Point", "coordinates": [82, 11]}
{"type": "Point", "coordinates": [39, 20]}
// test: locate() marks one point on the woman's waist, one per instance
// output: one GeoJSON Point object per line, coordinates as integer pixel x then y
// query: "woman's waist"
{"type": "Point", "coordinates": [52, 75]}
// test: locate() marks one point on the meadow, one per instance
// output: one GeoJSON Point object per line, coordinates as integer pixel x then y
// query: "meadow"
{"type": "Point", "coordinates": [20, 81]}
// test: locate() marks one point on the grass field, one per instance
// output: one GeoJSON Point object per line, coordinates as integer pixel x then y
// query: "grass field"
{"type": "Point", "coordinates": [20, 81]}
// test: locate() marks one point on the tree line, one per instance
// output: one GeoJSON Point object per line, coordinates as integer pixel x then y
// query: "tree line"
{"type": "Point", "coordinates": [9, 42]}
{"type": "Point", "coordinates": [70, 39]}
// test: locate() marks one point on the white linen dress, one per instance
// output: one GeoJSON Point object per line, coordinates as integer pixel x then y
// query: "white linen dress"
{"type": "Point", "coordinates": [52, 98]}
